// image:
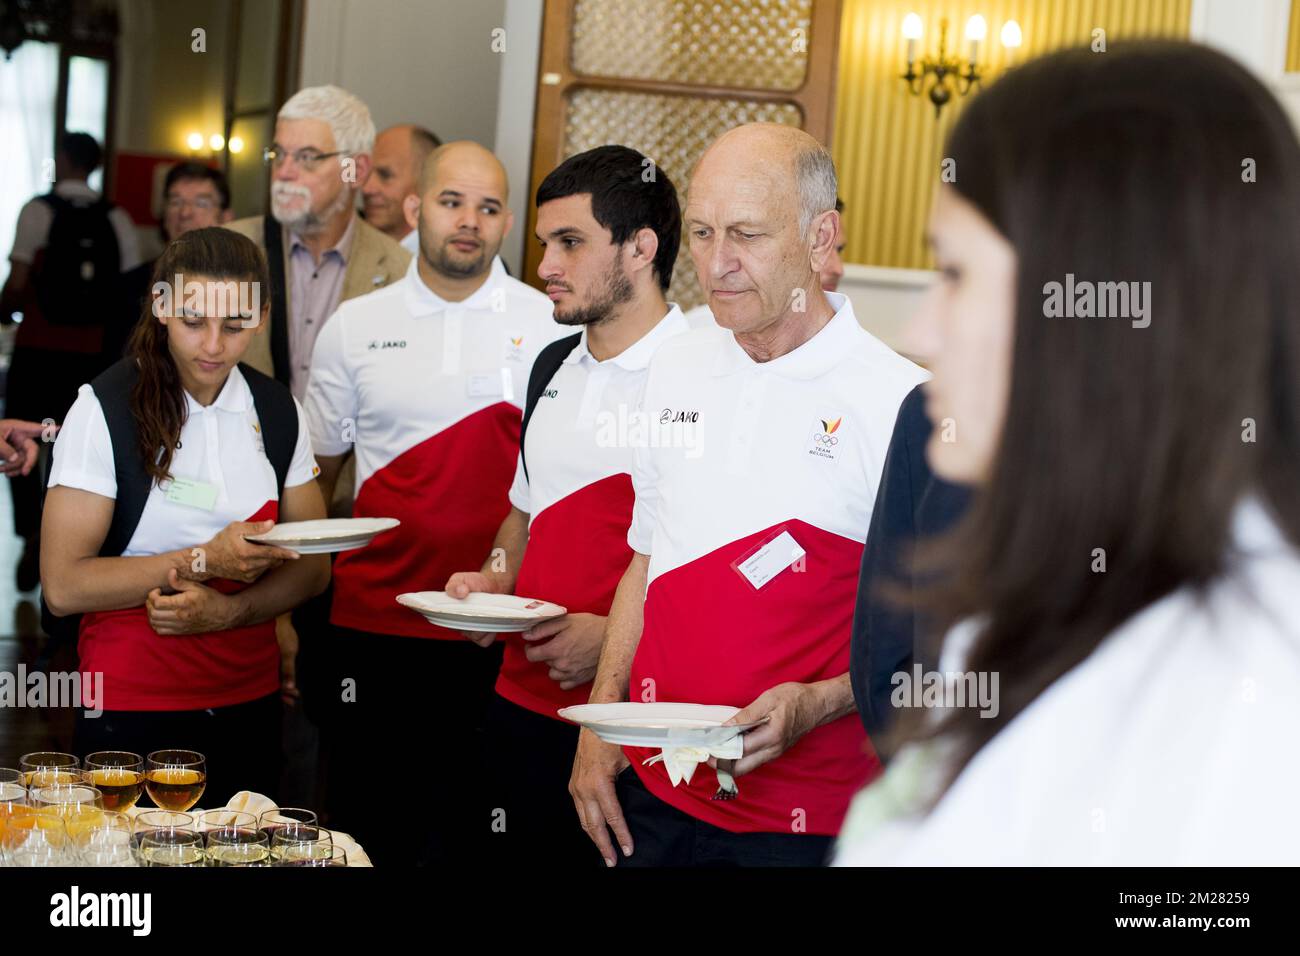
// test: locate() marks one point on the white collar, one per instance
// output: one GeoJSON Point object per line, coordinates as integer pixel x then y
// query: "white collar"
{"type": "Point", "coordinates": [233, 397]}
{"type": "Point", "coordinates": [421, 300]}
{"type": "Point", "coordinates": [636, 356]}
{"type": "Point", "coordinates": [811, 360]}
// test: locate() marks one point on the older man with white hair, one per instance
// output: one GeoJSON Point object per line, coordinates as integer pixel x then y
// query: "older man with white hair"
{"type": "Point", "coordinates": [746, 546]}
{"type": "Point", "coordinates": [320, 251]}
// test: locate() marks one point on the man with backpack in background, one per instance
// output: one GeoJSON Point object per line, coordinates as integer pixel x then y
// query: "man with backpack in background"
{"type": "Point", "coordinates": [70, 248]}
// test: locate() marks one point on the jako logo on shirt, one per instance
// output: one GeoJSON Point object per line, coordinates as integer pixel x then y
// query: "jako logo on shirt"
{"type": "Point", "coordinates": [670, 417]}
{"type": "Point", "coordinates": [824, 441]}
{"type": "Point", "coordinates": [386, 344]}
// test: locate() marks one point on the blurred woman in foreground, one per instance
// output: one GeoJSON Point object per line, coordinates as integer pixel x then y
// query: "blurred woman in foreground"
{"type": "Point", "coordinates": [1129, 571]}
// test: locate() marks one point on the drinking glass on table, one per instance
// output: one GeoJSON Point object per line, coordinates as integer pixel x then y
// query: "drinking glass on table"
{"type": "Point", "coordinates": [119, 775]}
{"type": "Point", "coordinates": [103, 839]}
{"type": "Point", "coordinates": [49, 768]}
{"type": "Point", "coordinates": [175, 779]}
{"type": "Point", "coordinates": [237, 846]}
{"type": "Point", "coordinates": [172, 848]}
{"type": "Point", "coordinates": [302, 821]}
{"type": "Point", "coordinates": [210, 820]}
{"type": "Point", "coordinates": [316, 853]}
{"type": "Point", "coordinates": [293, 840]}
{"type": "Point", "coordinates": [149, 821]}
{"type": "Point", "coordinates": [30, 829]}
{"type": "Point", "coordinates": [9, 775]}
{"type": "Point", "coordinates": [64, 798]}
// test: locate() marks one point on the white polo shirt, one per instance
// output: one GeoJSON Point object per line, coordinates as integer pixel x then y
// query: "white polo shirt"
{"type": "Point", "coordinates": [578, 496]}
{"type": "Point", "coordinates": [1171, 744]}
{"type": "Point", "coordinates": [756, 464]}
{"type": "Point", "coordinates": [221, 452]}
{"type": "Point", "coordinates": [428, 393]}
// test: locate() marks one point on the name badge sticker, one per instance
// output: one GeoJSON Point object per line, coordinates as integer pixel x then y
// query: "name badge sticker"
{"type": "Point", "coordinates": [192, 493]}
{"type": "Point", "coordinates": [769, 559]}
{"type": "Point", "coordinates": [485, 386]}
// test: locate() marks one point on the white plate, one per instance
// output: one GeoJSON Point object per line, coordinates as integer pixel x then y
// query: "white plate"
{"type": "Point", "coordinates": [658, 724]}
{"type": "Point", "coordinates": [490, 613]}
{"type": "Point", "coordinates": [325, 535]}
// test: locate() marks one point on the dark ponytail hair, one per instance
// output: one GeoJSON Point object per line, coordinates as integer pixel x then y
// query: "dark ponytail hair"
{"type": "Point", "coordinates": [157, 400]}
{"type": "Point", "coordinates": [1127, 166]}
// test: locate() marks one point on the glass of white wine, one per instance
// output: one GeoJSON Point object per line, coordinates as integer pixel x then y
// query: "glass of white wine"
{"type": "Point", "coordinates": [172, 848]}
{"type": "Point", "coordinates": [237, 846]}
{"type": "Point", "coordinates": [119, 775]}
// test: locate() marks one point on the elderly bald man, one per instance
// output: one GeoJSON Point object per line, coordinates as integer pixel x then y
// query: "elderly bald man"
{"type": "Point", "coordinates": [399, 154]}
{"type": "Point", "coordinates": [423, 383]}
{"type": "Point", "coordinates": [747, 535]}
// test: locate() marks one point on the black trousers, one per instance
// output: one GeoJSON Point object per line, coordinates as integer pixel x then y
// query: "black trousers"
{"type": "Point", "coordinates": [662, 835]}
{"type": "Point", "coordinates": [241, 742]}
{"type": "Point", "coordinates": [402, 745]}
{"type": "Point", "coordinates": [531, 758]}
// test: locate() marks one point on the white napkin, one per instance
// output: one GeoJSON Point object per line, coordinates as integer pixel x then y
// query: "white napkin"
{"type": "Point", "coordinates": [681, 762]}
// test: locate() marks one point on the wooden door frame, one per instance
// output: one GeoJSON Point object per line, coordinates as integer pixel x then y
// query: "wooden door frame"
{"type": "Point", "coordinates": [556, 79]}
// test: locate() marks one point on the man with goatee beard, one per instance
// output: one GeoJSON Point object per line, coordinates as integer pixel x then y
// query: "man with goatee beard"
{"type": "Point", "coordinates": [327, 254]}
{"type": "Point", "coordinates": [423, 384]}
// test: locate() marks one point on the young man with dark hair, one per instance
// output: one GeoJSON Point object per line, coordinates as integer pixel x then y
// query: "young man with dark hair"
{"type": "Point", "coordinates": [611, 226]}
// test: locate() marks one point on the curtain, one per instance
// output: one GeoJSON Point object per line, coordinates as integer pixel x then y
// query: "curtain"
{"type": "Point", "coordinates": [28, 88]}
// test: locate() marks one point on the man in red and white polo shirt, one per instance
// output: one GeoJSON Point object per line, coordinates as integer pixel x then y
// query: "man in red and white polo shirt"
{"type": "Point", "coordinates": [424, 381]}
{"type": "Point", "coordinates": [611, 238]}
{"type": "Point", "coordinates": [741, 591]}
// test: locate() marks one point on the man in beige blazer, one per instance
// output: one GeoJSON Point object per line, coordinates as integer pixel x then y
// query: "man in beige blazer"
{"type": "Point", "coordinates": [322, 252]}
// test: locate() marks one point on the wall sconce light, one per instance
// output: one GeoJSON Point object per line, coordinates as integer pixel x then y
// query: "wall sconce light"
{"type": "Point", "coordinates": [945, 71]}
{"type": "Point", "coordinates": [194, 141]}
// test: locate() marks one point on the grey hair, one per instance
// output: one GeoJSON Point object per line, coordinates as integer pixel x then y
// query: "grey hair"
{"type": "Point", "coordinates": [347, 117]}
{"type": "Point", "coordinates": [818, 189]}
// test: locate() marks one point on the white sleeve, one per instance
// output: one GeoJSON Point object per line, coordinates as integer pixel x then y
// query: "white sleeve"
{"type": "Point", "coordinates": [302, 468]}
{"type": "Point", "coordinates": [331, 399]}
{"type": "Point", "coordinates": [128, 243]}
{"type": "Point", "coordinates": [519, 496]}
{"type": "Point", "coordinates": [32, 231]}
{"type": "Point", "coordinates": [83, 450]}
{"type": "Point", "coordinates": [640, 536]}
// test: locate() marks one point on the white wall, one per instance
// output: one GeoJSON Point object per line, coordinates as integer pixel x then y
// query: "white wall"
{"type": "Point", "coordinates": [416, 61]}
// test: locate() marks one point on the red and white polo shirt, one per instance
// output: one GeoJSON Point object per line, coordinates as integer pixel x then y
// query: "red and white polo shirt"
{"type": "Point", "coordinates": [578, 496]}
{"type": "Point", "coordinates": [221, 456]}
{"type": "Point", "coordinates": [753, 500]}
{"type": "Point", "coordinates": [428, 393]}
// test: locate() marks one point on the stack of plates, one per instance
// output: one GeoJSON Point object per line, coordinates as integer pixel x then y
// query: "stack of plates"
{"type": "Point", "coordinates": [489, 613]}
{"type": "Point", "coordinates": [325, 535]}
{"type": "Point", "coordinates": [658, 725]}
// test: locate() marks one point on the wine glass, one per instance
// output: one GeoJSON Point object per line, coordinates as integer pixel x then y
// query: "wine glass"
{"type": "Point", "coordinates": [237, 846]}
{"type": "Point", "coordinates": [65, 797]}
{"type": "Point", "coordinates": [303, 821]}
{"type": "Point", "coordinates": [149, 821]}
{"type": "Point", "coordinates": [172, 848]}
{"type": "Point", "coordinates": [315, 853]}
{"type": "Point", "coordinates": [175, 779]}
{"type": "Point", "coordinates": [210, 820]}
{"type": "Point", "coordinates": [119, 775]}
{"type": "Point", "coordinates": [103, 841]}
{"type": "Point", "coordinates": [294, 839]}
{"type": "Point", "coordinates": [49, 768]}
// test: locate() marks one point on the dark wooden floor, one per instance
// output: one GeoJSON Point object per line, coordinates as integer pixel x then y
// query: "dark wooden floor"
{"type": "Point", "coordinates": [22, 729]}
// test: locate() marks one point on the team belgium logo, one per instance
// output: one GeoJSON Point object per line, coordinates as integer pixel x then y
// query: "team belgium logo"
{"type": "Point", "coordinates": [515, 348]}
{"type": "Point", "coordinates": [824, 440]}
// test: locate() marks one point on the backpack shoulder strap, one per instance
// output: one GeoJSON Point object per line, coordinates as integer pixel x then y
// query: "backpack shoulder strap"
{"type": "Point", "coordinates": [273, 245]}
{"type": "Point", "coordinates": [278, 416]}
{"type": "Point", "coordinates": [548, 362]}
{"type": "Point", "coordinates": [112, 388]}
